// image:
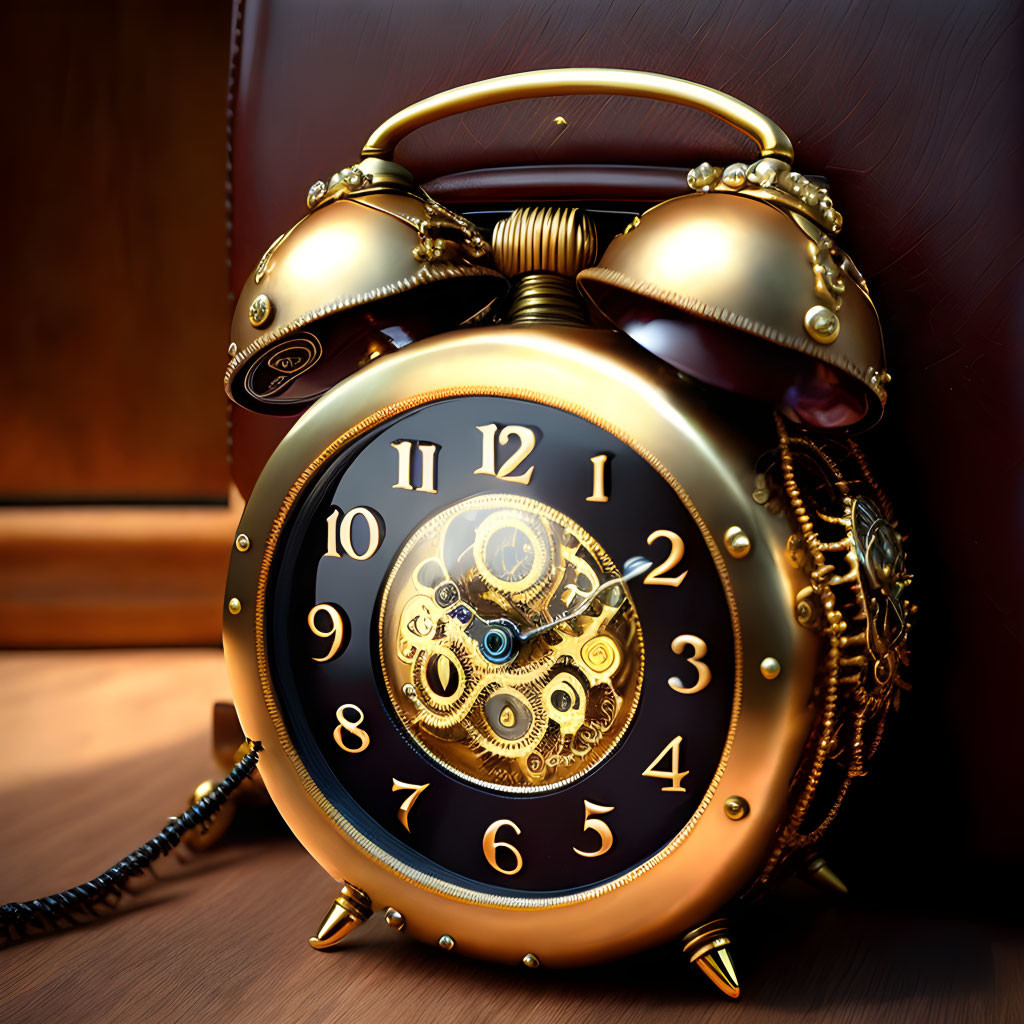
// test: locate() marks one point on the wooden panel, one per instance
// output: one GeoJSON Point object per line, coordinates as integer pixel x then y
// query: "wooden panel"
{"type": "Point", "coordinates": [100, 747]}
{"type": "Point", "coordinates": [115, 331]}
{"type": "Point", "coordinates": [85, 576]}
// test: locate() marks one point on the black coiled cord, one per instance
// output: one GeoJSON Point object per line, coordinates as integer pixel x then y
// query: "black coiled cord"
{"type": "Point", "coordinates": [50, 912]}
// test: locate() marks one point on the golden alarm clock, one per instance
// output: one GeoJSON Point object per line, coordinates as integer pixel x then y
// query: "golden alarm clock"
{"type": "Point", "coordinates": [568, 609]}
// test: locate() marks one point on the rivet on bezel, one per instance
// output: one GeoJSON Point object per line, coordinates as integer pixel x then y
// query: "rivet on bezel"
{"type": "Point", "coordinates": [394, 919]}
{"type": "Point", "coordinates": [260, 311]}
{"type": "Point", "coordinates": [530, 960]}
{"type": "Point", "coordinates": [234, 606]}
{"type": "Point", "coordinates": [447, 943]}
{"type": "Point", "coordinates": [821, 324]}
{"type": "Point", "coordinates": [736, 807]}
{"type": "Point", "coordinates": [242, 542]}
{"type": "Point", "coordinates": [770, 668]}
{"type": "Point", "coordinates": [737, 542]}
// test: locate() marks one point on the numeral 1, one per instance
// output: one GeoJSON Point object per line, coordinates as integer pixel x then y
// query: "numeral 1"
{"type": "Point", "coordinates": [527, 440]}
{"type": "Point", "coordinates": [674, 775]}
{"type": "Point", "coordinates": [428, 458]}
{"type": "Point", "coordinates": [600, 463]}
{"type": "Point", "coordinates": [343, 534]}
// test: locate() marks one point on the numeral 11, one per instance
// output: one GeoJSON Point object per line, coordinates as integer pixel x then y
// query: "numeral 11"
{"type": "Point", "coordinates": [428, 455]}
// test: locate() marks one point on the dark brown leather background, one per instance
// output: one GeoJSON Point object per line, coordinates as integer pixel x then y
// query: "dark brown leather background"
{"type": "Point", "coordinates": [913, 112]}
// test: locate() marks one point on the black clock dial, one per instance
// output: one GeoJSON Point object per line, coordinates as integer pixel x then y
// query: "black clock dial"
{"type": "Point", "coordinates": [460, 668]}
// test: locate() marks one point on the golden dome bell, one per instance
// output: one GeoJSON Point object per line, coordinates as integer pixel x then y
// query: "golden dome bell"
{"type": "Point", "coordinates": [704, 280]}
{"type": "Point", "coordinates": [374, 265]}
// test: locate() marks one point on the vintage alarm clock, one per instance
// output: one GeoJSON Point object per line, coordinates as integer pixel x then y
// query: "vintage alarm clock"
{"type": "Point", "coordinates": [568, 610]}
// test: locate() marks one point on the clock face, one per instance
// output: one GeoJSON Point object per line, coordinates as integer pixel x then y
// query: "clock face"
{"type": "Point", "coordinates": [501, 647]}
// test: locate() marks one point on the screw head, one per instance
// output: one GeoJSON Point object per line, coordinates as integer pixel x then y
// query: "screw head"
{"type": "Point", "coordinates": [770, 668]}
{"type": "Point", "coordinates": [821, 324]}
{"type": "Point", "coordinates": [531, 961]}
{"type": "Point", "coordinates": [737, 543]}
{"type": "Point", "coordinates": [234, 606]}
{"type": "Point", "coordinates": [736, 807]}
{"type": "Point", "coordinates": [447, 943]}
{"type": "Point", "coordinates": [242, 542]}
{"type": "Point", "coordinates": [260, 311]}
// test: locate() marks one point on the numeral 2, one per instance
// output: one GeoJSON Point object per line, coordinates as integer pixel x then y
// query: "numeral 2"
{"type": "Point", "coordinates": [657, 575]}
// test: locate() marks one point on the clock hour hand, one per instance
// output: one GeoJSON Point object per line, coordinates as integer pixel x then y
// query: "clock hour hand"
{"type": "Point", "coordinates": [632, 567]}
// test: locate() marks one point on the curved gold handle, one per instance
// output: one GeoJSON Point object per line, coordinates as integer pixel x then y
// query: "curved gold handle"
{"type": "Point", "coordinates": [578, 81]}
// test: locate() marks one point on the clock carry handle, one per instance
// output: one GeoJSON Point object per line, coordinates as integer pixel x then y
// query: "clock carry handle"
{"type": "Point", "coordinates": [771, 139]}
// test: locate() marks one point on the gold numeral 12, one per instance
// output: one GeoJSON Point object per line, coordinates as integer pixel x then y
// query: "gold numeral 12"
{"type": "Point", "coordinates": [527, 440]}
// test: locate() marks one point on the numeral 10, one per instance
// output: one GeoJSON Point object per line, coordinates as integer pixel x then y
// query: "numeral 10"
{"type": "Point", "coordinates": [342, 534]}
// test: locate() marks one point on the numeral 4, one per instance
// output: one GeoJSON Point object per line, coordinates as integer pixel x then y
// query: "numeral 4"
{"type": "Point", "coordinates": [673, 774]}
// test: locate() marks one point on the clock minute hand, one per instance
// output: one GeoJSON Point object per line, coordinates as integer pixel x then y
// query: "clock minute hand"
{"type": "Point", "coordinates": [632, 567]}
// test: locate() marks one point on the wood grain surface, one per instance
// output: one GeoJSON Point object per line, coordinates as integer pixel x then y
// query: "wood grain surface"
{"type": "Point", "coordinates": [99, 747]}
{"type": "Point", "coordinates": [114, 282]}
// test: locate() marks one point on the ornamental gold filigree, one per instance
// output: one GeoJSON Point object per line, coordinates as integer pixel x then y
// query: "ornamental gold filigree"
{"type": "Point", "coordinates": [772, 176]}
{"type": "Point", "coordinates": [847, 543]}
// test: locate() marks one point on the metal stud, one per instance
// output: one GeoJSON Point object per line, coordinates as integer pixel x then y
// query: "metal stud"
{"type": "Point", "coordinates": [234, 606]}
{"type": "Point", "coordinates": [737, 543]}
{"type": "Point", "coordinates": [242, 542]}
{"type": "Point", "coordinates": [770, 668]}
{"type": "Point", "coordinates": [447, 943]}
{"type": "Point", "coordinates": [531, 961]}
{"type": "Point", "coordinates": [736, 807]}
{"type": "Point", "coordinates": [394, 919]}
{"type": "Point", "coordinates": [260, 311]}
{"type": "Point", "coordinates": [822, 324]}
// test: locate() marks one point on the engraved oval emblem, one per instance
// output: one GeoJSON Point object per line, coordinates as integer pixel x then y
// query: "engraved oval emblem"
{"type": "Point", "coordinates": [276, 368]}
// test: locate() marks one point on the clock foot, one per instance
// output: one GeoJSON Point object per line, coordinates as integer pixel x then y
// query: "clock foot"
{"type": "Point", "coordinates": [350, 909]}
{"type": "Point", "coordinates": [706, 947]}
{"type": "Point", "coordinates": [816, 872]}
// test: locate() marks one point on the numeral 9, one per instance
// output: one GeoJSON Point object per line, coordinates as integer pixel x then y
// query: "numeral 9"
{"type": "Point", "coordinates": [336, 633]}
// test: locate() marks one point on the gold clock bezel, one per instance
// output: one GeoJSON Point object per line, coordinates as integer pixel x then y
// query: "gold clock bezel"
{"type": "Point", "coordinates": [611, 382]}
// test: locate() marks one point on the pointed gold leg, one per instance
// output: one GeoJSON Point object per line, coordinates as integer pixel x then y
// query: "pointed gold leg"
{"type": "Point", "coordinates": [706, 947]}
{"type": "Point", "coordinates": [350, 909]}
{"type": "Point", "coordinates": [816, 872]}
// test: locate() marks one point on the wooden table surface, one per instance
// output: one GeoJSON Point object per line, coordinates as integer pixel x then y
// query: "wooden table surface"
{"type": "Point", "coordinates": [100, 747]}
